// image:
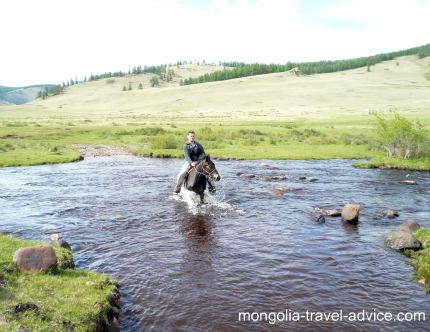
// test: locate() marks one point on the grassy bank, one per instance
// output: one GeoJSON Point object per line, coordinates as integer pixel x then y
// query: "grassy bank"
{"type": "Point", "coordinates": [422, 257]}
{"type": "Point", "coordinates": [418, 164]}
{"type": "Point", "coordinates": [67, 299]}
{"type": "Point", "coordinates": [33, 143]}
{"type": "Point", "coordinates": [36, 143]}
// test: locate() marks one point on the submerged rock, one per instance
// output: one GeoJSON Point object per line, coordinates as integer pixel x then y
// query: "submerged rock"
{"type": "Point", "coordinates": [308, 178]}
{"type": "Point", "coordinates": [319, 219]}
{"type": "Point", "coordinates": [280, 177]}
{"type": "Point", "coordinates": [331, 213]}
{"type": "Point", "coordinates": [402, 240]}
{"type": "Point", "coordinates": [277, 193]}
{"type": "Point", "coordinates": [390, 214]}
{"type": "Point", "coordinates": [38, 258]}
{"type": "Point", "coordinates": [247, 176]}
{"type": "Point", "coordinates": [350, 213]}
{"type": "Point", "coordinates": [409, 182]}
{"type": "Point", "coordinates": [265, 177]}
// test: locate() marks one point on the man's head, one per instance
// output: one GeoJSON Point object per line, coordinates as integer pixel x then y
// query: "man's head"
{"type": "Point", "coordinates": [191, 136]}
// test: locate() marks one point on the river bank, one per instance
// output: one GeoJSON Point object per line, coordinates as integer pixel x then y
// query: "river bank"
{"type": "Point", "coordinates": [61, 299]}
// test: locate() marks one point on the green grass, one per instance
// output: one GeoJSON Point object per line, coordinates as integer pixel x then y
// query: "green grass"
{"type": "Point", "coordinates": [66, 298]}
{"type": "Point", "coordinates": [276, 116]}
{"type": "Point", "coordinates": [33, 144]}
{"type": "Point", "coordinates": [418, 164]}
{"type": "Point", "coordinates": [27, 152]}
{"type": "Point", "coordinates": [422, 257]}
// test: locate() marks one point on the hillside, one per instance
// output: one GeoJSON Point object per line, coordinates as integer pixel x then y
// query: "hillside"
{"type": "Point", "coordinates": [272, 116]}
{"type": "Point", "coordinates": [19, 96]}
{"type": "Point", "coordinates": [398, 83]}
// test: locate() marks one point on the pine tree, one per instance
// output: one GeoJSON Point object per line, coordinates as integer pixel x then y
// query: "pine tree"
{"type": "Point", "coordinates": [140, 86]}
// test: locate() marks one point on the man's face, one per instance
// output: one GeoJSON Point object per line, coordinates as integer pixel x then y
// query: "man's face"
{"type": "Point", "coordinates": [191, 138]}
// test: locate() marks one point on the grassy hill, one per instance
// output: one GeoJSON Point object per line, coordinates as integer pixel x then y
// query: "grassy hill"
{"type": "Point", "coordinates": [277, 115]}
{"type": "Point", "coordinates": [20, 95]}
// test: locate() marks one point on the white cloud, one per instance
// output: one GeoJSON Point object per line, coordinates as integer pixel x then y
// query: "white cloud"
{"type": "Point", "coordinates": [51, 41]}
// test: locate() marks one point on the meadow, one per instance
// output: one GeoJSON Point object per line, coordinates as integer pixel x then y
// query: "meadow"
{"type": "Point", "coordinates": [272, 116]}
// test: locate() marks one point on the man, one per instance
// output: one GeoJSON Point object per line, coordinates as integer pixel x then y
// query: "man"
{"type": "Point", "coordinates": [193, 151]}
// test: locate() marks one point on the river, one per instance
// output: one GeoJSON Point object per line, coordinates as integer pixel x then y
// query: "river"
{"type": "Point", "coordinates": [194, 268]}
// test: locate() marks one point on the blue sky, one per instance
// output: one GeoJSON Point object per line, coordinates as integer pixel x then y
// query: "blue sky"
{"type": "Point", "coordinates": [51, 41]}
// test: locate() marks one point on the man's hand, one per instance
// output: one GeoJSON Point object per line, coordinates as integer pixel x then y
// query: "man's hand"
{"type": "Point", "coordinates": [193, 164]}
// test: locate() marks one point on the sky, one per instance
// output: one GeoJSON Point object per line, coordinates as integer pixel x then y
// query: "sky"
{"type": "Point", "coordinates": [52, 41]}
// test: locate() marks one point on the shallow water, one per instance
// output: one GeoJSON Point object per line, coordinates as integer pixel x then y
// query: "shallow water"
{"type": "Point", "coordinates": [191, 268]}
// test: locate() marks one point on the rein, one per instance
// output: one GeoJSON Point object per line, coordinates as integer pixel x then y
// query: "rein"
{"type": "Point", "coordinates": [202, 173]}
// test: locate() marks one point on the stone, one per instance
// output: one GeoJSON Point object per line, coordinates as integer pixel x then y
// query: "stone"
{"type": "Point", "coordinates": [280, 177]}
{"type": "Point", "coordinates": [247, 176]}
{"type": "Point", "coordinates": [58, 241]}
{"type": "Point", "coordinates": [319, 219]}
{"type": "Point", "coordinates": [409, 226]}
{"type": "Point", "coordinates": [38, 258]}
{"type": "Point", "coordinates": [331, 213]}
{"type": "Point", "coordinates": [277, 193]}
{"type": "Point", "coordinates": [350, 213]}
{"type": "Point", "coordinates": [402, 240]}
{"type": "Point", "coordinates": [390, 214]}
{"type": "Point", "coordinates": [55, 237]}
{"type": "Point", "coordinates": [409, 182]}
{"type": "Point", "coordinates": [265, 177]}
{"type": "Point", "coordinates": [311, 179]}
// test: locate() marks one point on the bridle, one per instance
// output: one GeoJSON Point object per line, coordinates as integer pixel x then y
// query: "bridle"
{"type": "Point", "coordinates": [204, 172]}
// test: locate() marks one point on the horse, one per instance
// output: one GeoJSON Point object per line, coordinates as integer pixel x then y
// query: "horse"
{"type": "Point", "coordinates": [203, 171]}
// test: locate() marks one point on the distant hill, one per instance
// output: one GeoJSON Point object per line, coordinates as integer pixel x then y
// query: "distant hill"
{"type": "Point", "coordinates": [20, 95]}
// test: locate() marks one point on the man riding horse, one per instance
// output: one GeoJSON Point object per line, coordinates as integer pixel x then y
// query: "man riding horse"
{"type": "Point", "coordinates": [193, 152]}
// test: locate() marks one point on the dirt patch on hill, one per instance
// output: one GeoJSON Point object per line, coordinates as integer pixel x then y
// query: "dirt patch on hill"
{"type": "Point", "coordinates": [87, 150]}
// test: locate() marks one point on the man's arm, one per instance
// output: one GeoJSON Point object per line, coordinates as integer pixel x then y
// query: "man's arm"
{"type": "Point", "coordinates": [187, 154]}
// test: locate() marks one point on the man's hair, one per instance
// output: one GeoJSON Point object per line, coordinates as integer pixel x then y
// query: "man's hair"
{"type": "Point", "coordinates": [191, 132]}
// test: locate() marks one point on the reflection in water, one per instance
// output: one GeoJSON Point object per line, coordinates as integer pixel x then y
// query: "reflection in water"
{"type": "Point", "coordinates": [350, 228]}
{"type": "Point", "coordinates": [193, 268]}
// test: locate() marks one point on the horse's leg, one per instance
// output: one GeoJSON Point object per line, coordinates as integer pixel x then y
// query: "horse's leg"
{"type": "Point", "coordinates": [202, 197]}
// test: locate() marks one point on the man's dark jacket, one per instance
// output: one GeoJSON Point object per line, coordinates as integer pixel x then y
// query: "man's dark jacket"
{"type": "Point", "coordinates": [193, 154]}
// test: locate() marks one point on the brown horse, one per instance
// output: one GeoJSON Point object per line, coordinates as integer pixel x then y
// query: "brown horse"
{"type": "Point", "coordinates": [203, 171]}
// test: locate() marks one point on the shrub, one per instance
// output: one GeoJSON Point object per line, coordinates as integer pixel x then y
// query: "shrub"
{"type": "Point", "coordinates": [401, 137]}
{"type": "Point", "coordinates": [154, 81]}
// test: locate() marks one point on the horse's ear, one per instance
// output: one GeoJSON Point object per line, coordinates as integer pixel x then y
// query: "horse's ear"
{"type": "Point", "coordinates": [208, 157]}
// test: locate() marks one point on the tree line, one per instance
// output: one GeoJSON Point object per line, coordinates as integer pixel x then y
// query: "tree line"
{"type": "Point", "coordinates": [241, 69]}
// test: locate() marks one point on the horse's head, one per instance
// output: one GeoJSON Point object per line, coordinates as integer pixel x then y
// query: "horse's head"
{"type": "Point", "coordinates": [209, 169]}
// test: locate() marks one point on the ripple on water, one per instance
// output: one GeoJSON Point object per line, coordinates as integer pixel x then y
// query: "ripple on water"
{"type": "Point", "coordinates": [191, 267]}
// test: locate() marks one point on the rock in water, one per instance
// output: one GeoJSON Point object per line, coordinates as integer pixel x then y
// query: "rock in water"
{"type": "Point", "coordinates": [409, 226]}
{"type": "Point", "coordinates": [331, 213]}
{"type": "Point", "coordinates": [247, 176]}
{"type": "Point", "coordinates": [390, 214]}
{"type": "Point", "coordinates": [401, 240]}
{"type": "Point", "coordinates": [58, 241]}
{"type": "Point", "coordinates": [350, 213]}
{"type": "Point", "coordinates": [320, 219]}
{"type": "Point", "coordinates": [35, 259]}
